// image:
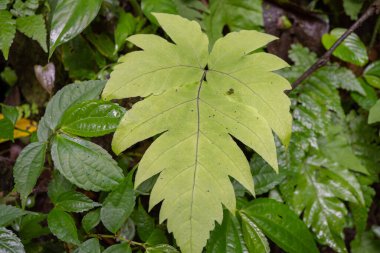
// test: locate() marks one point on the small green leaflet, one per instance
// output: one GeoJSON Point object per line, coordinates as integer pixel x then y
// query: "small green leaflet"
{"type": "Point", "coordinates": [117, 206]}
{"type": "Point", "coordinates": [7, 32]}
{"type": "Point", "coordinates": [91, 118]}
{"type": "Point", "coordinates": [85, 164]}
{"type": "Point", "coordinates": [28, 168]}
{"type": "Point", "coordinates": [62, 225]}
{"type": "Point", "coordinates": [33, 27]}
{"type": "Point", "coordinates": [9, 214]}
{"type": "Point", "coordinates": [69, 18]}
{"type": "Point", "coordinates": [9, 242]}
{"type": "Point", "coordinates": [197, 108]}
{"type": "Point", "coordinates": [119, 248]}
{"type": "Point", "coordinates": [352, 8]}
{"type": "Point", "coordinates": [162, 248]}
{"type": "Point", "coordinates": [372, 74]}
{"type": "Point", "coordinates": [89, 246]}
{"type": "Point", "coordinates": [73, 201]}
{"type": "Point", "coordinates": [69, 95]}
{"type": "Point", "coordinates": [91, 220]}
{"type": "Point", "coordinates": [374, 113]}
{"type": "Point", "coordinates": [351, 50]}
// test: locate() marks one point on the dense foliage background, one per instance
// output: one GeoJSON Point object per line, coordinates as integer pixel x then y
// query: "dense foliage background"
{"type": "Point", "coordinates": [328, 175]}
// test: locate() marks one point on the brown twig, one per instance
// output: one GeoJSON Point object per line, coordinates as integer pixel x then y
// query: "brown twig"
{"type": "Point", "coordinates": [374, 8]}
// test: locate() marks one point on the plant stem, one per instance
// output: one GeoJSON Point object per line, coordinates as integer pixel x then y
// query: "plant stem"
{"type": "Point", "coordinates": [374, 8]}
{"type": "Point", "coordinates": [101, 236]}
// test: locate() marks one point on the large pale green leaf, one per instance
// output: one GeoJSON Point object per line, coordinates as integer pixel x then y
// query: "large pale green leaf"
{"type": "Point", "coordinates": [73, 201]}
{"type": "Point", "coordinates": [351, 50]}
{"type": "Point", "coordinates": [235, 14]}
{"type": "Point", "coordinates": [9, 214]}
{"type": "Point", "coordinates": [281, 225]}
{"type": "Point", "coordinates": [66, 97]}
{"type": "Point", "coordinates": [85, 164]}
{"type": "Point", "coordinates": [91, 118]}
{"type": "Point", "coordinates": [197, 110]}
{"type": "Point", "coordinates": [7, 32]}
{"type": "Point", "coordinates": [62, 225]}
{"type": "Point", "coordinates": [9, 242]}
{"type": "Point", "coordinates": [69, 18]}
{"type": "Point", "coordinates": [34, 27]}
{"type": "Point", "coordinates": [28, 168]}
{"type": "Point", "coordinates": [117, 206]}
{"type": "Point", "coordinates": [227, 237]}
{"type": "Point", "coordinates": [372, 74]}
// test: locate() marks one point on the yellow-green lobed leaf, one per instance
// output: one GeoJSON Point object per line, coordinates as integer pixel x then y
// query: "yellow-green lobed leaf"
{"type": "Point", "coordinates": [197, 100]}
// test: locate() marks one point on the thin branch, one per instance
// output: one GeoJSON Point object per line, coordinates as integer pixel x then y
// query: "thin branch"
{"type": "Point", "coordinates": [374, 8]}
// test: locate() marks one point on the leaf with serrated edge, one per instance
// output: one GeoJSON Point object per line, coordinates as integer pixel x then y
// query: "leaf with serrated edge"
{"type": "Point", "coordinates": [28, 168]}
{"type": "Point", "coordinates": [62, 225]}
{"type": "Point", "coordinates": [241, 97]}
{"type": "Point", "coordinates": [91, 118]}
{"type": "Point", "coordinates": [9, 242]}
{"type": "Point", "coordinates": [119, 248]}
{"type": "Point", "coordinates": [7, 32]}
{"type": "Point", "coordinates": [85, 164]}
{"type": "Point", "coordinates": [89, 246]}
{"type": "Point", "coordinates": [33, 27]}
{"type": "Point", "coordinates": [73, 201]}
{"type": "Point", "coordinates": [91, 220]}
{"type": "Point", "coordinates": [117, 207]}
{"type": "Point", "coordinates": [69, 95]}
{"type": "Point", "coordinates": [9, 214]}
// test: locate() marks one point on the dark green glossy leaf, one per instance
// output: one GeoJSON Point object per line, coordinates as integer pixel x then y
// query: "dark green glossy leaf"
{"type": "Point", "coordinates": [10, 112]}
{"type": "Point", "coordinates": [281, 225]}
{"type": "Point", "coordinates": [372, 74]}
{"type": "Point", "coordinates": [227, 237]}
{"type": "Point", "coordinates": [160, 6]}
{"type": "Point", "coordinates": [352, 49]}
{"type": "Point", "coordinates": [7, 32]}
{"type": "Point", "coordinates": [9, 242]}
{"type": "Point", "coordinates": [62, 225]}
{"type": "Point", "coordinates": [367, 242]}
{"type": "Point", "coordinates": [92, 118]}
{"type": "Point", "coordinates": [125, 27]}
{"type": "Point", "coordinates": [9, 214]}
{"type": "Point", "coordinates": [91, 220]}
{"type": "Point", "coordinates": [85, 164]}
{"type": "Point", "coordinates": [34, 27]}
{"type": "Point", "coordinates": [73, 201]}
{"type": "Point", "coordinates": [62, 100]}
{"type": "Point", "coordinates": [69, 18]}
{"type": "Point", "coordinates": [374, 113]}
{"type": "Point", "coordinates": [117, 206]}
{"type": "Point", "coordinates": [119, 248]}
{"type": "Point", "coordinates": [28, 167]}
{"type": "Point", "coordinates": [89, 246]}
{"type": "Point", "coordinates": [253, 236]}
{"type": "Point", "coordinates": [163, 248]}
